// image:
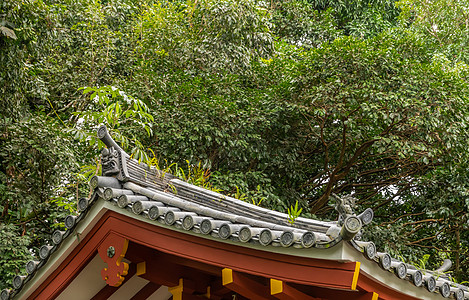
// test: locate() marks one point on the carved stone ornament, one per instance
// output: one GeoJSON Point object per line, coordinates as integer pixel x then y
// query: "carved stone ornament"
{"type": "Point", "coordinates": [110, 161]}
{"type": "Point", "coordinates": [344, 206]}
{"type": "Point", "coordinates": [112, 251]}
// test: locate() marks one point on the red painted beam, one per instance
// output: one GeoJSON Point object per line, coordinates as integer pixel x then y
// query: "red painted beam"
{"type": "Point", "coordinates": [188, 296]}
{"type": "Point", "coordinates": [105, 293]}
{"type": "Point", "coordinates": [165, 269]}
{"type": "Point", "coordinates": [245, 286]}
{"type": "Point", "coordinates": [138, 253]}
{"type": "Point", "coordinates": [289, 268]}
{"type": "Point", "coordinates": [292, 269]}
{"type": "Point", "coordinates": [371, 285]}
{"type": "Point", "coordinates": [283, 291]}
{"type": "Point", "coordinates": [162, 274]}
{"type": "Point", "coordinates": [217, 290]}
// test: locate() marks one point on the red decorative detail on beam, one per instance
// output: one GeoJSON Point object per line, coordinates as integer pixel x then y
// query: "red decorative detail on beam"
{"type": "Point", "coordinates": [112, 250]}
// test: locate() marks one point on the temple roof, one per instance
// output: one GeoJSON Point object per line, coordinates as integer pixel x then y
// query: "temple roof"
{"type": "Point", "coordinates": [145, 192]}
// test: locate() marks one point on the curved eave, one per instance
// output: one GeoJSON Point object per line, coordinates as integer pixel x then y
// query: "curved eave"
{"type": "Point", "coordinates": [386, 284]}
{"type": "Point", "coordinates": [104, 218]}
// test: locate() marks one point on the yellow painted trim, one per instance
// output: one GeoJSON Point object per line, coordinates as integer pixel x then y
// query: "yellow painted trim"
{"type": "Point", "coordinates": [207, 295]}
{"type": "Point", "coordinates": [375, 296]}
{"type": "Point", "coordinates": [276, 286]}
{"type": "Point", "coordinates": [176, 291]}
{"type": "Point", "coordinates": [227, 276]}
{"type": "Point", "coordinates": [355, 276]}
{"type": "Point", "coordinates": [141, 268]}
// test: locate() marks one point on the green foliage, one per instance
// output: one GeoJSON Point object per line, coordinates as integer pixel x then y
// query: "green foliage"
{"type": "Point", "coordinates": [202, 36]}
{"type": "Point", "coordinates": [35, 158]}
{"type": "Point", "coordinates": [115, 109]}
{"type": "Point", "coordinates": [361, 18]}
{"type": "Point", "coordinates": [194, 174]}
{"type": "Point", "coordinates": [277, 103]}
{"type": "Point", "coordinates": [299, 24]}
{"type": "Point", "coordinates": [376, 108]}
{"type": "Point", "coordinates": [423, 261]}
{"type": "Point", "coordinates": [37, 179]}
{"type": "Point", "coordinates": [14, 252]}
{"type": "Point", "coordinates": [435, 219]}
{"type": "Point", "coordinates": [443, 25]}
{"type": "Point", "coordinates": [294, 213]}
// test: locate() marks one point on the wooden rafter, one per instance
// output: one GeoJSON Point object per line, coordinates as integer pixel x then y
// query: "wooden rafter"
{"type": "Point", "coordinates": [245, 286]}
{"type": "Point", "coordinates": [283, 291]}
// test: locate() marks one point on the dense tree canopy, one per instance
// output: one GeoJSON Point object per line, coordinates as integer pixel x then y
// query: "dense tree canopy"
{"type": "Point", "coordinates": [275, 103]}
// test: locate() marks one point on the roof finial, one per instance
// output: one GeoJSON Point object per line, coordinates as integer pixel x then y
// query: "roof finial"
{"type": "Point", "coordinates": [105, 137]}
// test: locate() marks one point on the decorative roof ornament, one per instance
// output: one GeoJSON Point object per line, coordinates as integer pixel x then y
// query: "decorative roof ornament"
{"type": "Point", "coordinates": [344, 206]}
{"type": "Point", "coordinates": [105, 137]}
{"type": "Point", "coordinates": [349, 224]}
{"type": "Point", "coordinates": [110, 161]}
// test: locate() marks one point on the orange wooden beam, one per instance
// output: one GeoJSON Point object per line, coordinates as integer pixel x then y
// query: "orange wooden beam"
{"type": "Point", "coordinates": [244, 286]}
{"type": "Point", "coordinates": [163, 269]}
{"type": "Point", "coordinates": [164, 273]}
